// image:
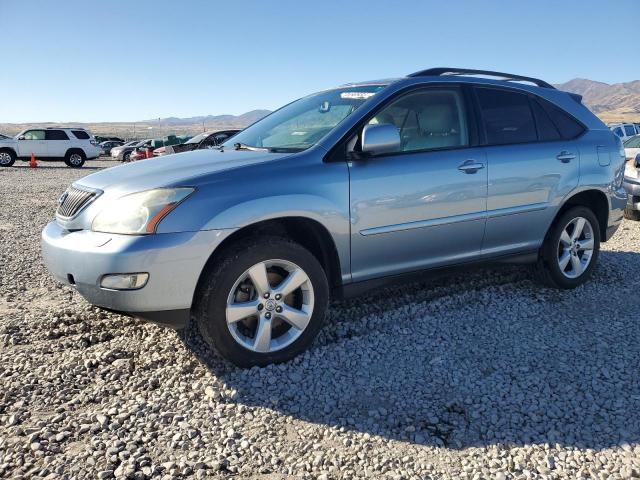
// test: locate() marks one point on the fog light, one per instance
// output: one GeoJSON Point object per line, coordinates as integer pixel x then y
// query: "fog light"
{"type": "Point", "coordinates": [124, 281]}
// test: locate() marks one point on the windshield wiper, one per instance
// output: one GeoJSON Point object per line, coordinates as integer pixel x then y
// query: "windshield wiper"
{"type": "Point", "coordinates": [244, 146]}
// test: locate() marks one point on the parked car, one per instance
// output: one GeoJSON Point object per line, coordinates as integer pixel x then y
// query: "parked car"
{"type": "Point", "coordinates": [624, 130]}
{"type": "Point", "coordinates": [123, 153]}
{"type": "Point", "coordinates": [108, 145]}
{"type": "Point", "coordinates": [71, 145]}
{"type": "Point", "coordinates": [350, 188]}
{"type": "Point", "coordinates": [203, 141]}
{"type": "Point", "coordinates": [632, 147]}
{"type": "Point", "coordinates": [170, 141]}
{"type": "Point", "coordinates": [101, 139]}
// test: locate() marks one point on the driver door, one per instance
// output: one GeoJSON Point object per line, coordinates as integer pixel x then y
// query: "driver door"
{"type": "Point", "coordinates": [425, 205]}
{"type": "Point", "coordinates": [33, 141]}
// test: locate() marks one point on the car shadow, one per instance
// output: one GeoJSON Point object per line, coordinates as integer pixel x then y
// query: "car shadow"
{"type": "Point", "coordinates": [42, 164]}
{"type": "Point", "coordinates": [484, 358]}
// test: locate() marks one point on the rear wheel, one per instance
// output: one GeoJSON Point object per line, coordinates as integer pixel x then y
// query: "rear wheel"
{"type": "Point", "coordinates": [263, 302]}
{"type": "Point", "coordinates": [126, 157]}
{"type": "Point", "coordinates": [570, 251]}
{"type": "Point", "coordinates": [7, 158]}
{"type": "Point", "coordinates": [75, 159]}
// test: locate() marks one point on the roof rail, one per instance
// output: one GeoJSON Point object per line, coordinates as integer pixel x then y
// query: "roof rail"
{"type": "Point", "coordinates": [436, 72]}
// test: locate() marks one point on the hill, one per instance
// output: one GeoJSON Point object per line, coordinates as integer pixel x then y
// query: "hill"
{"type": "Point", "coordinates": [618, 102]}
{"type": "Point", "coordinates": [151, 128]}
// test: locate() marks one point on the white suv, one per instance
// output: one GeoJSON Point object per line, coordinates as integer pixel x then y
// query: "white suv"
{"type": "Point", "coordinates": [73, 145]}
{"type": "Point", "coordinates": [624, 130]}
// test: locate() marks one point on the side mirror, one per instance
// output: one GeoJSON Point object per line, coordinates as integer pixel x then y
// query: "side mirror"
{"type": "Point", "coordinates": [381, 138]}
{"type": "Point", "coordinates": [21, 137]}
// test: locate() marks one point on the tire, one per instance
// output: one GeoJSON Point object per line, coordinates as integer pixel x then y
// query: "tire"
{"type": "Point", "coordinates": [75, 158]}
{"type": "Point", "coordinates": [631, 214]}
{"type": "Point", "coordinates": [126, 157]}
{"type": "Point", "coordinates": [223, 285]}
{"type": "Point", "coordinates": [7, 157]}
{"type": "Point", "coordinates": [553, 254]}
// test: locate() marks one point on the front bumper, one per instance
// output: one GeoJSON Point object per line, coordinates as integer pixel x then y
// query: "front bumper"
{"type": "Point", "coordinates": [173, 261]}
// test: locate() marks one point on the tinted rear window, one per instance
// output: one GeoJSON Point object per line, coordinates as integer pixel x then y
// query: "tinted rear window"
{"type": "Point", "coordinates": [506, 116]}
{"type": "Point", "coordinates": [547, 130]}
{"type": "Point", "coordinates": [81, 134]}
{"type": "Point", "coordinates": [56, 135]}
{"type": "Point", "coordinates": [630, 130]}
{"type": "Point", "coordinates": [568, 126]}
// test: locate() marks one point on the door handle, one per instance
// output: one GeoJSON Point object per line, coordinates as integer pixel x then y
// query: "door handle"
{"type": "Point", "coordinates": [470, 166]}
{"type": "Point", "coordinates": [565, 157]}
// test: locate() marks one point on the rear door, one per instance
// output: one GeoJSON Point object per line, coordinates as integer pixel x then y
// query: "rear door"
{"type": "Point", "coordinates": [425, 205]}
{"type": "Point", "coordinates": [33, 142]}
{"type": "Point", "coordinates": [58, 143]}
{"type": "Point", "coordinates": [531, 167]}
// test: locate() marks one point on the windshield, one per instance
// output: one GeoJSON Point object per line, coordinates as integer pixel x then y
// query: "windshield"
{"type": "Point", "coordinates": [197, 138]}
{"type": "Point", "coordinates": [304, 122]}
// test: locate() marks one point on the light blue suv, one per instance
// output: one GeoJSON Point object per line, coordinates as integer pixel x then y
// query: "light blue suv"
{"type": "Point", "coordinates": [340, 191]}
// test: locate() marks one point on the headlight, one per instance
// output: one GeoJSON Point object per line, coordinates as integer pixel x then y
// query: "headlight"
{"type": "Point", "coordinates": [139, 213]}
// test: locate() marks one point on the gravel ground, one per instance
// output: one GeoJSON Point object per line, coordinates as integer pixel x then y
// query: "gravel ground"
{"type": "Point", "coordinates": [485, 375]}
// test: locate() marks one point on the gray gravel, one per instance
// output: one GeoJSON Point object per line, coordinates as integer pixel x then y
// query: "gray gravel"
{"type": "Point", "coordinates": [485, 375]}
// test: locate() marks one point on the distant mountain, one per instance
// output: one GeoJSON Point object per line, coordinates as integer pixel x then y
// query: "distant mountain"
{"type": "Point", "coordinates": [612, 103]}
{"type": "Point", "coordinates": [152, 128]}
{"type": "Point", "coordinates": [232, 120]}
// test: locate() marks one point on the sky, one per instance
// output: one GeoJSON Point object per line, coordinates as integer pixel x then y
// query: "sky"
{"type": "Point", "coordinates": [128, 60]}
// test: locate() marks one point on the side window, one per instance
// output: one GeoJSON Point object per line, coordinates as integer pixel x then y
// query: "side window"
{"type": "Point", "coordinates": [220, 138]}
{"type": "Point", "coordinates": [506, 116]}
{"type": "Point", "coordinates": [55, 135]}
{"type": "Point", "coordinates": [547, 131]}
{"type": "Point", "coordinates": [618, 131]}
{"type": "Point", "coordinates": [34, 135]}
{"type": "Point", "coordinates": [630, 130]}
{"type": "Point", "coordinates": [427, 119]}
{"type": "Point", "coordinates": [568, 126]}
{"type": "Point", "coordinates": [80, 134]}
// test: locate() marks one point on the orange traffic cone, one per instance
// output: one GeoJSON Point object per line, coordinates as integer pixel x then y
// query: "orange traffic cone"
{"type": "Point", "coordinates": [33, 163]}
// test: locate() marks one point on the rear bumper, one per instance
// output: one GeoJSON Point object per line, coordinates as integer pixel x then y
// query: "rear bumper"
{"type": "Point", "coordinates": [618, 199]}
{"type": "Point", "coordinates": [173, 261]}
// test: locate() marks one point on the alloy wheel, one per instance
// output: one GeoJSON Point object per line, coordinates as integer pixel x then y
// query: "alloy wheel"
{"type": "Point", "coordinates": [75, 159]}
{"type": "Point", "coordinates": [575, 248]}
{"type": "Point", "coordinates": [5, 158]}
{"type": "Point", "coordinates": [270, 306]}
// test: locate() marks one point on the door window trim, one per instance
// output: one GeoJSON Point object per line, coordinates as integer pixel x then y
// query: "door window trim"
{"type": "Point", "coordinates": [339, 154]}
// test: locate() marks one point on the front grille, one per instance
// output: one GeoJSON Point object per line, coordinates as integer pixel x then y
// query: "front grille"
{"type": "Point", "coordinates": [74, 200]}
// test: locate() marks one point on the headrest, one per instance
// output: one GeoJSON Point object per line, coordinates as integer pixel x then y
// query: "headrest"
{"type": "Point", "coordinates": [437, 118]}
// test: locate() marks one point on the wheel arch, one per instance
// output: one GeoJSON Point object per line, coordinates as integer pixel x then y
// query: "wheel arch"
{"type": "Point", "coordinates": [595, 200]}
{"type": "Point", "coordinates": [71, 150]}
{"type": "Point", "coordinates": [9, 149]}
{"type": "Point", "coordinates": [308, 232]}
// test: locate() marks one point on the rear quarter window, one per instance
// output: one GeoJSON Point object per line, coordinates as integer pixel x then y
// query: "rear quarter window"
{"type": "Point", "coordinates": [568, 126]}
{"type": "Point", "coordinates": [80, 134]}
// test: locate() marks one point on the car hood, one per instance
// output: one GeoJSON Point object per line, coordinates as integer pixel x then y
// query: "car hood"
{"type": "Point", "coordinates": [179, 169]}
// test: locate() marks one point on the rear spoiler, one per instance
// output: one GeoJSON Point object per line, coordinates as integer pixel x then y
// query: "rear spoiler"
{"type": "Point", "coordinates": [576, 97]}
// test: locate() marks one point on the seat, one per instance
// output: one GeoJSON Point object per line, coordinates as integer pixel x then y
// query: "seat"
{"type": "Point", "coordinates": [438, 128]}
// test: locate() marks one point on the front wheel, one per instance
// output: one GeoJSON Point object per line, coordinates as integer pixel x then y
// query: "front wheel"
{"type": "Point", "coordinates": [570, 250]}
{"type": "Point", "coordinates": [262, 302]}
{"type": "Point", "coordinates": [7, 158]}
